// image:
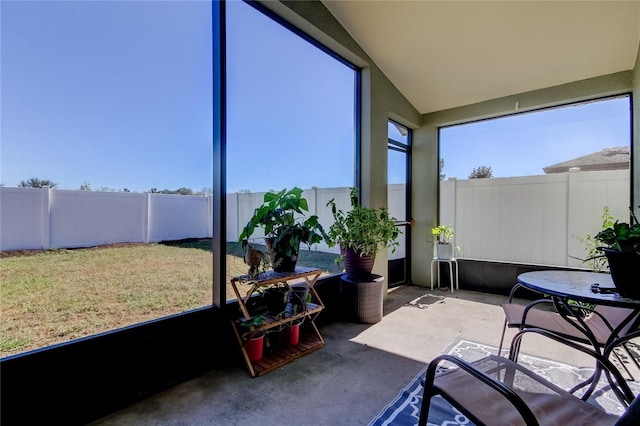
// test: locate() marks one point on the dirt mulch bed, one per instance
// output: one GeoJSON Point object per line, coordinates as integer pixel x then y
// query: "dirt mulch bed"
{"type": "Point", "coordinates": [34, 252]}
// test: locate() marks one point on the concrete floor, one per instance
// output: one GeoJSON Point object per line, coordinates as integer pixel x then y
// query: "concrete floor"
{"type": "Point", "coordinates": [361, 368]}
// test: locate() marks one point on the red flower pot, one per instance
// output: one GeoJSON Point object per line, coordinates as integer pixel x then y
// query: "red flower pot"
{"type": "Point", "coordinates": [292, 334]}
{"type": "Point", "coordinates": [254, 345]}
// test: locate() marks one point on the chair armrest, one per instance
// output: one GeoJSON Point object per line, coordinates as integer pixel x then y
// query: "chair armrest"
{"type": "Point", "coordinates": [514, 289]}
{"type": "Point", "coordinates": [530, 306]}
{"type": "Point", "coordinates": [505, 391]}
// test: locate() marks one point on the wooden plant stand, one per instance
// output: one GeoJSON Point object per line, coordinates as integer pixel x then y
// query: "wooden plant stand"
{"type": "Point", "coordinates": [310, 338]}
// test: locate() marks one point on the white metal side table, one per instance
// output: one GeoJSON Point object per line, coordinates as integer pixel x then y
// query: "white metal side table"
{"type": "Point", "coordinates": [453, 279]}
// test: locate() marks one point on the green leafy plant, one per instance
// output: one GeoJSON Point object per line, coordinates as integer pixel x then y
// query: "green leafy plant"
{"type": "Point", "coordinates": [442, 233]}
{"type": "Point", "coordinates": [621, 236]}
{"type": "Point", "coordinates": [363, 229]}
{"type": "Point", "coordinates": [613, 235]}
{"type": "Point", "coordinates": [595, 259]}
{"type": "Point", "coordinates": [253, 322]}
{"type": "Point", "coordinates": [282, 217]}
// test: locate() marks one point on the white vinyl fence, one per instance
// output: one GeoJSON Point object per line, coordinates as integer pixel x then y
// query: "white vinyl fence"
{"type": "Point", "coordinates": [34, 218]}
{"type": "Point", "coordinates": [532, 219]}
{"type": "Point", "coordinates": [240, 208]}
{"type": "Point", "coordinates": [43, 218]}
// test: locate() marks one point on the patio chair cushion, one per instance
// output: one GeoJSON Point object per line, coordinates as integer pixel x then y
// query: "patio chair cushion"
{"type": "Point", "coordinates": [549, 404]}
{"type": "Point", "coordinates": [553, 321]}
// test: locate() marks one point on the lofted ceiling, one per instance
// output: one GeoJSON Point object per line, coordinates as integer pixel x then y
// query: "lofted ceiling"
{"type": "Point", "coordinates": [445, 54]}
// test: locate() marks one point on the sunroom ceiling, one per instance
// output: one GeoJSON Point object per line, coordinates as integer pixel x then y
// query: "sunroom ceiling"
{"type": "Point", "coordinates": [444, 54]}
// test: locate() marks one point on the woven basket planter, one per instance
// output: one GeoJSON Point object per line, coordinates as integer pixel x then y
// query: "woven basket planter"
{"type": "Point", "coordinates": [363, 299]}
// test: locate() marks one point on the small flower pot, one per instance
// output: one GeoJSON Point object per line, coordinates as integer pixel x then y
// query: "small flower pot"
{"type": "Point", "coordinates": [274, 340]}
{"type": "Point", "coordinates": [444, 250]}
{"type": "Point", "coordinates": [276, 299]}
{"type": "Point", "coordinates": [298, 297]}
{"type": "Point", "coordinates": [292, 334]}
{"type": "Point", "coordinates": [254, 345]}
{"type": "Point", "coordinates": [256, 305]}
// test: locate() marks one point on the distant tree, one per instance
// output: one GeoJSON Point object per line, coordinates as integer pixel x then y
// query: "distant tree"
{"type": "Point", "coordinates": [153, 190]}
{"type": "Point", "coordinates": [179, 191]}
{"type": "Point", "coordinates": [205, 192]}
{"type": "Point", "coordinates": [36, 183]}
{"type": "Point", "coordinates": [442, 175]}
{"type": "Point", "coordinates": [85, 187]}
{"type": "Point", "coordinates": [244, 191]}
{"type": "Point", "coordinates": [126, 190]}
{"type": "Point", "coordinates": [481, 173]}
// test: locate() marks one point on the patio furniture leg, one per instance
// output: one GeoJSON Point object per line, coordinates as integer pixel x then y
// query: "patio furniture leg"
{"type": "Point", "coordinates": [457, 274]}
{"type": "Point", "coordinates": [431, 271]}
{"type": "Point", "coordinates": [504, 330]}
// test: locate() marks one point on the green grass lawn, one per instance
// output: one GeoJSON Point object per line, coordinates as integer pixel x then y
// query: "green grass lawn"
{"type": "Point", "coordinates": [54, 296]}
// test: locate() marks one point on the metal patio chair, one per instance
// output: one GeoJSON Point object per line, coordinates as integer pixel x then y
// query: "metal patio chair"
{"type": "Point", "coordinates": [600, 322]}
{"type": "Point", "coordinates": [495, 390]}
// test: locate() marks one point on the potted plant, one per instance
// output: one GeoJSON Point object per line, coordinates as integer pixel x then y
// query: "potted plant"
{"type": "Point", "coordinates": [360, 233]}
{"type": "Point", "coordinates": [281, 216]}
{"type": "Point", "coordinates": [595, 259]}
{"type": "Point", "coordinates": [254, 339]}
{"type": "Point", "coordinates": [275, 298]}
{"type": "Point", "coordinates": [299, 297]}
{"type": "Point", "coordinates": [443, 235]}
{"type": "Point", "coordinates": [292, 332]}
{"type": "Point", "coordinates": [255, 259]}
{"type": "Point", "coordinates": [622, 250]}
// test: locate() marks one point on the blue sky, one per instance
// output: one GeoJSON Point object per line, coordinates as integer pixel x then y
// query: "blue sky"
{"type": "Point", "coordinates": [113, 94]}
{"type": "Point", "coordinates": [290, 108]}
{"type": "Point", "coordinates": [523, 144]}
{"type": "Point", "coordinates": [118, 95]}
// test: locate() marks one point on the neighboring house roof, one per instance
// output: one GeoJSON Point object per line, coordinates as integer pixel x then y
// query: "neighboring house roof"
{"type": "Point", "coordinates": [616, 158]}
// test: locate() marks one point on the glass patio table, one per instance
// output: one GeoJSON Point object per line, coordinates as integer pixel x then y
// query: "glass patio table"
{"type": "Point", "coordinates": [590, 288]}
